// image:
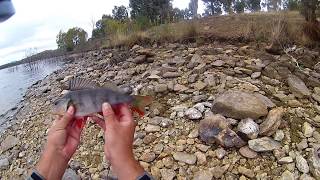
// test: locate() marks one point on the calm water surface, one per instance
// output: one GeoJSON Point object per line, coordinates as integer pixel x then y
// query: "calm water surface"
{"type": "Point", "coordinates": [15, 81]}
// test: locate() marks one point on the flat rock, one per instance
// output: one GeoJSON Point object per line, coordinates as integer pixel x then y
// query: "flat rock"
{"type": "Point", "coordinates": [239, 105]}
{"type": "Point", "coordinates": [263, 144]}
{"type": "Point", "coordinates": [140, 59]}
{"type": "Point", "coordinates": [9, 142]}
{"type": "Point", "coordinates": [307, 129]}
{"type": "Point", "coordinates": [219, 171]}
{"type": "Point", "coordinates": [287, 175]}
{"type": "Point", "coordinates": [245, 171]}
{"type": "Point", "coordinates": [298, 87]}
{"type": "Point", "coordinates": [265, 100]}
{"type": "Point", "coordinates": [314, 161]}
{"type": "Point", "coordinates": [214, 129]}
{"type": "Point", "coordinates": [279, 135]}
{"type": "Point", "coordinates": [70, 174]}
{"type": "Point", "coordinates": [301, 164]}
{"type": "Point", "coordinates": [159, 88]}
{"type": "Point", "coordinates": [255, 75]}
{"type": "Point", "coordinates": [185, 157]}
{"type": "Point", "coordinates": [171, 74]}
{"type": "Point", "coordinates": [248, 128]}
{"type": "Point", "coordinates": [148, 157]}
{"type": "Point", "coordinates": [218, 63]}
{"type": "Point", "coordinates": [167, 174]}
{"type": "Point", "coordinates": [271, 124]}
{"type": "Point", "coordinates": [248, 153]}
{"type": "Point", "coordinates": [195, 60]}
{"type": "Point", "coordinates": [4, 163]}
{"type": "Point", "coordinates": [152, 128]}
{"type": "Point", "coordinates": [285, 160]}
{"type": "Point", "coordinates": [203, 175]}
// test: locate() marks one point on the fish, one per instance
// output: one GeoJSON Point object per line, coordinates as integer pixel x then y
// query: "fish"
{"type": "Point", "coordinates": [6, 10]}
{"type": "Point", "coordinates": [87, 97]}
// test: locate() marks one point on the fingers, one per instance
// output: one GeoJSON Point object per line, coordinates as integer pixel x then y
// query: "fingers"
{"type": "Point", "coordinates": [108, 112]}
{"type": "Point", "coordinates": [100, 122]}
{"type": "Point", "coordinates": [125, 114]}
{"type": "Point", "coordinates": [66, 119]}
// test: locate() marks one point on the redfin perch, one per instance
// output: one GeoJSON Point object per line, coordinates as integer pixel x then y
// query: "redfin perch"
{"type": "Point", "coordinates": [87, 98]}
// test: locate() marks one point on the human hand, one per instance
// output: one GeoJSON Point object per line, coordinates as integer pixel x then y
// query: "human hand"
{"type": "Point", "coordinates": [119, 130]}
{"type": "Point", "coordinates": [62, 142]}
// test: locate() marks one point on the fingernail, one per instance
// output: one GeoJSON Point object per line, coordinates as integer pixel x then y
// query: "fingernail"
{"type": "Point", "coordinates": [106, 106]}
{"type": "Point", "coordinates": [71, 110]}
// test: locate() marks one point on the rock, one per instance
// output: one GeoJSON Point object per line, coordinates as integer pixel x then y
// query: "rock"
{"type": "Point", "coordinates": [248, 153]}
{"type": "Point", "coordinates": [171, 74]}
{"type": "Point", "coordinates": [194, 133]}
{"type": "Point", "coordinates": [271, 124]}
{"type": "Point", "coordinates": [203, 175]}
{"type": "Point", "coordinates": [193, 114]}
{"type": "Point", "coordinates": [4, 163]}
{"type": "Point", "coordinates": [159, 88]}
{"type": "Point", "coordinates": [167, 174]}
{"type": "Point", "coordinates": [149, 138]}
{"type": "Point", "coordinates": [314, 161]}
{"type": "Point", "coordinates": [202, 147]}
{"type": "Point", "coordinates": [200, 85]}
{"type": "Point", "coordinates": [201, 158]}
{"type": "Point", "coordinates": [218, 63]}
{"type": "Point", "coordinates": [263, 144]}
{"type": "Point", "coordinates": [306, 177]}
{"type": "Point", "coordinates": [301, 164]}
{"type": "Point", "coordinates": [148, 157]}
{"type": "Point", "coordinates": [297, 87]}
{"type": "Point", "coordinates": [158, 148]}
{"type": "Point", "coordinates": [9, 142]}
{"type": "Point", "coordinates": [279, 135]}
{"type": "Point", "coordinates": [185, 157]}
{"type": "Point", "coordinates": [302, 145]}
{"type": "Point", "coordinates": [220, 153]}
{"type": "Point", "coordinates": [287, 175]}
{"type": "Point", "coordinates": [140, 59]}
{"type": "Point", "coordinates": [265, 100]}
{"type": "Point", "coordinates": [239, 105]}
{"type": "Point", "coordinates": [285, 160]}
{"type": "Point", "coordinates": [307, 129]}
{"type": "Point", "coordinates": [152, 128]}
{"type": "Point", "coordinates": [247, 172]}
{"type": "Point", "coordinates": [214, 129]}
{"type": "Point", "coordinates": [218, 171]}
{"type": "Point", "coordinates": [195, 60]}
{"type": "Point", "coordinates": [70, 174]}
{"type": "Point", "coordinates": [248, 128]}
{"type": "Point", "coordinates": [179, 88]}
{"type": "Point", "coordinates": [255, 75]}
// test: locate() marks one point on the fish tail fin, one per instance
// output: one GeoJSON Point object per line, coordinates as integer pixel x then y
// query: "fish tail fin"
{"type": "Point", "coordinates": [139, 103]}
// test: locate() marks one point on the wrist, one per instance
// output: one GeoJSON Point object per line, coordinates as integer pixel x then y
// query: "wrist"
{"type": "Point", "coordinates": [128, 169]}
{"type": "Point", "coordinates": [52, 163]}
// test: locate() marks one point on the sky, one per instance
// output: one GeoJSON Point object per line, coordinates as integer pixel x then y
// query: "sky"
{"type": "Point", "coordinates": [37, 22]}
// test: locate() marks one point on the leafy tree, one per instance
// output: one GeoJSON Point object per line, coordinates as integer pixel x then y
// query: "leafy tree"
{"type": "Point", "coordinates": [99, 31]}
{"type": "Point", "coordinates": [177, 15]}
{"type": "Point", "coordinates": [120, 13]}
{"type": "Point", "coordinates": [309, 8]}
{"type": "Point", "coordinates": [227, 5]}
{"type": "Point", "coordinates": [193, 7]}
{"type": "Point", "coordinates": [292, 4]}
{"type": "Point", "coordinates": [212, 7]}
{"type": "Point", "coordinates": [74, 36]}
{"type": "Point", "coordinates": [253, 5]}
{"type": "Point", "coordinates": [239, 6]}
{"type": "Point", "coordinates": [273, 5]}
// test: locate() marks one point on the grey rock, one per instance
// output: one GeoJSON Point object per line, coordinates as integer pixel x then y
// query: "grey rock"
{"type": "Point", "coordinates": [301, 164]}
{"type": "Point", "coordinates": [203, 175]}
{"type": "Point", "coordinates": [271, 124]}
{"type": "Point", "coordinates": [245, 171]}
{"type": "Point", "coordinates": [239, 105]}
{"type": "Point", "coordinates": [279, 135]}
{"type": "Point", "coordinates": [302, 145]}
{"type": "Point", "coordinates": [248, 128]}
{"type": "Point", "coordinates": [193, 114]}
{"type": "Point", "coordinates": [307, 129]}
{"type": "Point", "coordinates": [285, 160]}
{"type": "Point", "coordinates": [298, 87]}
{"type": "Point", "coordinates": [4, 163]}
{"type": "Point", "coordinates": [167, 174]}
{"type": "Point", "coordinates": [214, 129]}
{"type": "Point", "coordinates": [152, 128]}
{"type": "Point", "coordinates": [264, 144]}
{"type": "Point", "coordinates": [158, 148]}
{"type": "Point", "coordinates": [218, 171]}
{"type": "Point", "coordinates": [265, 100]}
{"type": "Point", "coordinates": [195, 60]}
{"type": "Point", "coordinates": [200, 107]}
{"type": "Point", "coordinates": [70, 174]}
{"type": "Point", "coordinates": [218, 63]}
{"type": "Point", "coordinates": [306, 177]}
{"type": "Point", "coordinates": [159, 88]}
{"type": "Point", "coordinates": [314, 161]}
{"type": "Point", "coordinates": [185, 157]}
{"type": "Point", "coordinates": [220, 153]}
{"type": "Point", "coordinates": [255, 75]}
{"type": "Point", "coordinates": [9, 142]}
{"type": "Point", "coordinates": [148, 157]}
{"type": "Point", "coordinates": [248, 153]}
{"type": "Point", "coordinates": [140, 59]}
{"type": "Point", "coordinates": [171, 74]}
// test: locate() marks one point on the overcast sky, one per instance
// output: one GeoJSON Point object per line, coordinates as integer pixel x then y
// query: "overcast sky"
{"type": "Point", "coordinates": [37, 22]}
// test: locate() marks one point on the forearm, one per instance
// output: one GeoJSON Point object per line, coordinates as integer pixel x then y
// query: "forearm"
{"type": "Point", "coordinates": [52, 164]}
{"type": "Point", "coordinates": [129, 169]}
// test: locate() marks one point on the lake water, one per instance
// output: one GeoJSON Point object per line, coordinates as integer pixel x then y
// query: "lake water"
{"type": "Point", "coordinates": [15, 81]}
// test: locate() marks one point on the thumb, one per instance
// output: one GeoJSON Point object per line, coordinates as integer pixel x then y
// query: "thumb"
{"type": "Point", "coordinates": [68, 116]}
{"type": "Point", "coordinates": [108, 112]}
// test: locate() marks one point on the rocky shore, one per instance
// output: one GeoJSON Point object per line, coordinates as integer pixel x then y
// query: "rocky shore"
{"type": "Point", "coordinates": [221, 111]}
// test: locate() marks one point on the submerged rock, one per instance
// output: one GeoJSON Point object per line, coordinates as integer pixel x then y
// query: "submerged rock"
{"type": "Point", "coordinates": [264, 144]}
{"type": "Point", "coordinates": [214, 129]}
{"type": "Point", "coordinates": [239, 105]}
{"type": "Point", "coordinates": [271, 124]}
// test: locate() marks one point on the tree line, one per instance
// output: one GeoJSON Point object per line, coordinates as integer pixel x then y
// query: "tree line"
{"type": "Point", "coordinates": [147, 13]}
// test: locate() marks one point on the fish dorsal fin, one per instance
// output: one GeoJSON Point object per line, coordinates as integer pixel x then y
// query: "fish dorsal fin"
{"type": "Point", "coordinates": [112, 86]}
{"type": "Point", "coordinates": [79, 84]}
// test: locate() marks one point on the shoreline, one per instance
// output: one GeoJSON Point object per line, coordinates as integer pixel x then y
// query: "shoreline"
{"type": "Point", "coordinates": [185, 81]}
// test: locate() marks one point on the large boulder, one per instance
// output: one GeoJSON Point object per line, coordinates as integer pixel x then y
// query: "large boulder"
{"type": "Point", "coordinates": [214, 129]}
{"type": "Point", "coordinates": [298, 87]}
{"type": "Point", "coordinates": [239, 105]}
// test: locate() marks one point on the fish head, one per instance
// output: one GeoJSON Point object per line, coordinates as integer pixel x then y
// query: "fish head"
{"type": "Point", "coordinates": [60, 106]}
